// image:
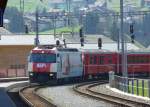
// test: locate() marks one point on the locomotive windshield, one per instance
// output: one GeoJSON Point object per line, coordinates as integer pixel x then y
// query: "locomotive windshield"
{"type": "Point", "coordinates": [43, 58]}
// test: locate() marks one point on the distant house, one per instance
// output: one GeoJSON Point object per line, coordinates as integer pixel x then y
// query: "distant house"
{"type": "Point", "coordinates": [147, 3]}
{"type": "Point", "coordinates": [31, 23]}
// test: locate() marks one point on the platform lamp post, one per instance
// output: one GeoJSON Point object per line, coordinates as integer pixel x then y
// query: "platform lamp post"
{"type": "Point", "coordinates": [124, 56]}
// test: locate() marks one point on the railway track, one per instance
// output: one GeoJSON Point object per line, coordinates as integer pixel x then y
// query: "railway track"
{"type": "Point", "coordinates": [85, 89]}
{"type": "Point", "coordinates": [29, 95]}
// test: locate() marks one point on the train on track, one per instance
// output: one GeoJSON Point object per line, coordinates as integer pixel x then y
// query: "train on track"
{"type": "Point", "coordinates": [52, 63]}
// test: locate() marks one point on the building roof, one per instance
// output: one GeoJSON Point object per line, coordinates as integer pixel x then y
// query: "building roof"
{"type": "Point", "coordinates": [26, 39]}
{"type": "Point", "coordinates": [105, 46]}
{"type": "Point", "coordinates": [49, 40]}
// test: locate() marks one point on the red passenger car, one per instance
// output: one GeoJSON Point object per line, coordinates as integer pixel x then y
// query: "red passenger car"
{"type": "Point", "coordinates": [99, 62]}
{"type": "Point", "coordinates": [138, 63]}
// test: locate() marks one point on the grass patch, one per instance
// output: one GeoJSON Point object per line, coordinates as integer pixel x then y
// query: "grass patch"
{"type": "Point", "coordinates": [59, 30]}
{"type": "Point", "coordinates": [139, 89]}
{"type": "Point", "coordinates": [29, 5]}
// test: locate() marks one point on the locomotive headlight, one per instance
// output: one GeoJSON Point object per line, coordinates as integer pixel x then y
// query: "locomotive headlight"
{"type": "Point", "coordinates": [51, 75]}
{"type": "Point", "coordinates": [31, 74]}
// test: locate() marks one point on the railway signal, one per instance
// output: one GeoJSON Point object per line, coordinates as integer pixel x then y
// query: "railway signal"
{"type": "Point", "coordinates": [131, 28]}
{"type": "Point", "coordinates": [100, 43]}
{"type": "Point", "coordinates": [81, 36]}
{"type": "Point", "coordinates": [65, 45]}
{"type": "Point", "coordinates": [57, 43]}
{"type": "Point", "coordinates": [132, 33]}
{"type": "Point", "coordinates": [132, 38]}
{"type": "Point", "coordinates": [82, 41]}
{"type": "Point", "coordinates": [26, 29]}
{"type": "Point", "coordinates": [81, 32]}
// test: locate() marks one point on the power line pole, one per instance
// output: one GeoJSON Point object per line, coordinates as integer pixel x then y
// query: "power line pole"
{"type": "Point", "coordinates": [124, 56]}
{"type": "Point", "coordinates": [54, 24]}
{"type": "Point", "coordinates": [37, 28]}
{"type": "Point", "coordinates": [68, 4]}
{"type": "Point", "coordinates": [22, 6]}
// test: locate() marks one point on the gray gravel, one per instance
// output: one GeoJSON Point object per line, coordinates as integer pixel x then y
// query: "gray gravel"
{"type": "Point", "coordinates": [64, 96]}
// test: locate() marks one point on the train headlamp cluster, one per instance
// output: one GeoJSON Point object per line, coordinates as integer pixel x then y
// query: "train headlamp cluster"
{"type": "Point", "coordinates": [51, 75]}
{"type": "Point", "coordinates": [31, 74]}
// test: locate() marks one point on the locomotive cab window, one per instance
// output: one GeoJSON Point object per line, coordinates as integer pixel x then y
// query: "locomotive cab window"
{"type": "Point", "coordinates": [43, 58]}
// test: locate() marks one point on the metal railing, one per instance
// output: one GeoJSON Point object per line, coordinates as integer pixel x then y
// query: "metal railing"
{"type": "Point", "coordinates": [136, 86]}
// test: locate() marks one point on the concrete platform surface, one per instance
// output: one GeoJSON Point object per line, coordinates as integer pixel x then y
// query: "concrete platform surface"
{"type": "Point", "coordinates": [9, 85]}
{"type": "Point", "coordinates": [14, 79]}
{"type": "Point", "coordinates": [5, 100]}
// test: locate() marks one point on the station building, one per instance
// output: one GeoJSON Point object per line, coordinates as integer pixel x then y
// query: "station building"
{"type": "Point", "coordinates": [14, 50]}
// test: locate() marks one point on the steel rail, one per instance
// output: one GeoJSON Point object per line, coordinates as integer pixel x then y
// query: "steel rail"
{"type": "Point", "coordinates": [32, 98]}
{"type": "Point", "coordinates": [85, 89]}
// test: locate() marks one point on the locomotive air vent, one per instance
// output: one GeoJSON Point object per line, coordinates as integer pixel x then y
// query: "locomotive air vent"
{"type": "Point", "coordinates": [68, 49]}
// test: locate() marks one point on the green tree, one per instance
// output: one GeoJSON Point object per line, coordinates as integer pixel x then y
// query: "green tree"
{"type": "Point", "coordinates": [16, 19]}
{"type": "Point", "coordinates": [91, 23]}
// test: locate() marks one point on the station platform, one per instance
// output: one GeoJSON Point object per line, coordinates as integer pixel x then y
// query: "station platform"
{"type": "Point", "coordinates": [14, 79]}
{"type": "Point", "coordinates": [5, 100]}
{"type": "Point", "coordinates": [9, 85]}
